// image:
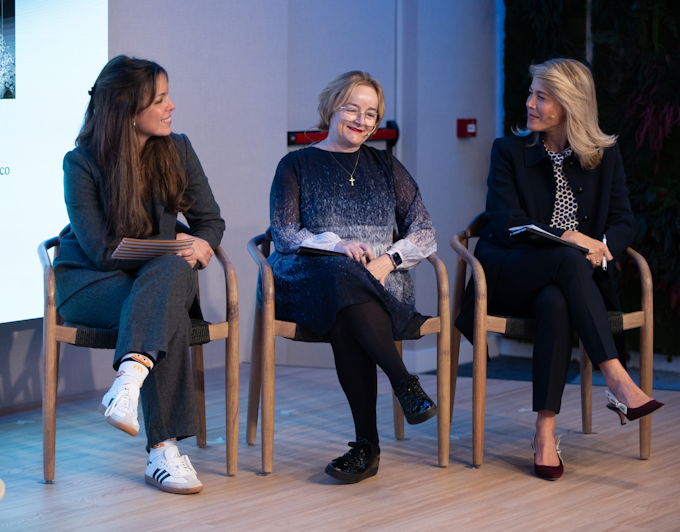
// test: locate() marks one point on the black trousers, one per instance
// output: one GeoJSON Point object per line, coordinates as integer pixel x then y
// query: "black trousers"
{"type": "Point", "coordinates": [555, 286]}
{"type": "Point", "coordinates": [150, 308]}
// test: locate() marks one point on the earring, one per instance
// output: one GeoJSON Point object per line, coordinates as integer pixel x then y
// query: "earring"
{"type": "Point", "coordinates": [552, 116]}
{"type": "Point", "coordinates": [134, 124]}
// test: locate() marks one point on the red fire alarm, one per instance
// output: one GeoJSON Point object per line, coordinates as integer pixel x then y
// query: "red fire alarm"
{"type": "Point", "coordinates": [467, 127]}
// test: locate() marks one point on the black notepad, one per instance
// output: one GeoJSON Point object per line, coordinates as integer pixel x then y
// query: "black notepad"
{"type": "Point", "coordinates": [319, 252]}
{"type": "Point", "coordinates": [535, 235]}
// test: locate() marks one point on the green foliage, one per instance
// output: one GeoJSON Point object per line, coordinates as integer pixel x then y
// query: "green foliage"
{"type": "Point", "coordinates": [637, 73]}
{"type": "Point", "coordinates": [535, 31]}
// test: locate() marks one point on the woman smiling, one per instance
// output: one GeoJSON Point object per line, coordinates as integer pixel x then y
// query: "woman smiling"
{"type": "Point", "coordinates": [340, 195]}
{"type": "Point", "coordinates": [565, 176]}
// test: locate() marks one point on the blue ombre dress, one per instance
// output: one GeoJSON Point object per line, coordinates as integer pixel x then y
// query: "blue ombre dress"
{"type": "Point", "coordinates": [311, 194]}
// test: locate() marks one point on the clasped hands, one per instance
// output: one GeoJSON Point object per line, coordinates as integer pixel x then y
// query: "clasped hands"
{"type": "Point", "coordinates": [200, 251]}
{"type": "Point", "coordinates": [597, 249]}
{"type": "Point", "coordinates": [379, 268]}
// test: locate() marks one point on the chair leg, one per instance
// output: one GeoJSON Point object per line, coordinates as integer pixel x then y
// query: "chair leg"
{"type": "Point", "coordinates": [232, 385]}
{"type": "Point", "coordinates": [199, 387]}
{"type": "Point", "coordinates": [268, 391]}
{"type": "Point", "coordinates": [396, 407]}
{"type": "Point", "coordinates": [478, 398]}
{"type": "Point", "coordinates": [444, 392]}
{"type": "Point", "coordinates": [455, 354]}
{"type": "Point", "coordinates": [646, 382]}
{"type": "Point", "coordinates": [255, 379]}
{"type": "Point", "coordinates": [586, 391]}
{"type": "Point", "coordinates": [49, 403]}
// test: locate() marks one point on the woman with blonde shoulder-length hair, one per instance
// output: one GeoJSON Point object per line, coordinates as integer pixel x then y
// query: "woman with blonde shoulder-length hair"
{"type": "Point", "coordinates": [342, 196]}
{"type": "Point", "coordinates": [562, 175]}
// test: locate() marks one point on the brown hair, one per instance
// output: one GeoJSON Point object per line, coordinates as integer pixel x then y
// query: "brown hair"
{"type": "Point", "coordinates": [124, 88]}
{"type": "Point", "coordinates": [338, 92]}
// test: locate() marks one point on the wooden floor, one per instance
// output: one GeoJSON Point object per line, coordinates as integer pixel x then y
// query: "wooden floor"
{"type": "Point", "coordinates": [100, 471]}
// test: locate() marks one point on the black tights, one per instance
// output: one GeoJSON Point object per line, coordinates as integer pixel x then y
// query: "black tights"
{"type": "Point", "coordinates": [361, 337]}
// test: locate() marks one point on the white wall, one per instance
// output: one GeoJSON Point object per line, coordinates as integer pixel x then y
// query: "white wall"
{"type": "Point", "coordinates": [244, 73]}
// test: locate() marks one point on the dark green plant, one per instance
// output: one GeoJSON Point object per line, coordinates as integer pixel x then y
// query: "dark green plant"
{"type": "Point", "coordinates": [637, 73]}
{"type": "Point", "coordinates": [535, 31]}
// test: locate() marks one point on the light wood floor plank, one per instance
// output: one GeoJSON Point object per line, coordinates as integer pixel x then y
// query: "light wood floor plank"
{"type": "Point", "coordinates": [100, 485]}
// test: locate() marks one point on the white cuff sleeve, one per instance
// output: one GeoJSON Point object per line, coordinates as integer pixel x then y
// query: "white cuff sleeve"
{"type": "Point", "coordinates": [410, 253]}
{"type": "Point", "coordinates": [325, 241]}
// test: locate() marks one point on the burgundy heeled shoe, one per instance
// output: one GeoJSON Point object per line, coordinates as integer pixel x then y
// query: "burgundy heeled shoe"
{"type": "Point", "coordinates": [549, 472]}
{"type": "Point", "coordinates": [631, 414]}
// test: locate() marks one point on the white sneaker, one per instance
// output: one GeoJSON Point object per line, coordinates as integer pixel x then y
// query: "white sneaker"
{"type": "Point", "coordinates": [173, 473]}
{"type": "Point", "coordinates": [119, 405]}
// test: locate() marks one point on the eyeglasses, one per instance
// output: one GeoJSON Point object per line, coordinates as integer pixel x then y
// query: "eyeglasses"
{"type": "Point", "coordinates": [350, 112]}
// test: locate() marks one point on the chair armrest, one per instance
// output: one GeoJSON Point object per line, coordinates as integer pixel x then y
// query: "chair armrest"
{"type": "Point", "coordinates": [442, 286]}
{"type": "Point", "coordinates": [266, 274]}
{"type": "Point", "coordinates": [48, 275]}
{"type": "Point", "coordinates": [477, 269]}
{"type": "Point", "coordinates": [231, 286]}
{"type": "Point", "coordinates": [645, 280]}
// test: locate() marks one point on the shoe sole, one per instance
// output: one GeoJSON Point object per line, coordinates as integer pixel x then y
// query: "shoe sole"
{"type": "Point", "coordinates": [350, 478]}
{"type": "Point", "coordinates": [421, 418]}
{"type": "Point", "coordinates": [179, 491]}
{"type": "Point", "coordinates": [120, 426]}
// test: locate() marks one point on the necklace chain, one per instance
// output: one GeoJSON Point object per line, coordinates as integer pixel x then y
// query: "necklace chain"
{"type": "Point", "coordinates": [351, 176]}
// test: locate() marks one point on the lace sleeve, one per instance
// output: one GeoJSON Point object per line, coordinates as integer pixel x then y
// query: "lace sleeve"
{"type": "Point", "coordinates": [284, 208]}
{"type": "Point", "coordinates": [413, 221]}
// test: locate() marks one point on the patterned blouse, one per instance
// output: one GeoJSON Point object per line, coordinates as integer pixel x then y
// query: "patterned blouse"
{"type": "Point", "coordinates": [566, 208]}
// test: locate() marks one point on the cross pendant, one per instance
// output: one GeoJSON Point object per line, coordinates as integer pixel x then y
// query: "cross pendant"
{"type": "Point", "coordinates": [352, 180]}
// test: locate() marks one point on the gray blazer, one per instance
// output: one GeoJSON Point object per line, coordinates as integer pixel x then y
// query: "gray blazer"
{"type": "Point", "coordinates": [84, 256]}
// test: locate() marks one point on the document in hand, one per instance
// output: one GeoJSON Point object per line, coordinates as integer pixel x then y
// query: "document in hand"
{"type": "Point", "coordinates": [531, 234]}
{"type": "Point", "coordinates": [138, 249]}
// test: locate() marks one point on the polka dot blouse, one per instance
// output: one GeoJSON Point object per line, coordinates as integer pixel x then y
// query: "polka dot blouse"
{"type": "Point", "coordinates": [565, 211]}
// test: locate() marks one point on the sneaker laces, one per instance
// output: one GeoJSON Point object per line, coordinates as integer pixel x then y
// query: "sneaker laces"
{"type": "Point", "coordinates": [356, 457]}
{"type": "Point", "coordinates": [122, 402]}
{"type": "Point", "coordinates": [412, 395]}
{"type": "Point", "coordinates": [177, 465]}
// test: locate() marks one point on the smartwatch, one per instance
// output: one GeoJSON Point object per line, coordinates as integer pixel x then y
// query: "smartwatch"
{"type": "Point", "coordinates": [396, 257]}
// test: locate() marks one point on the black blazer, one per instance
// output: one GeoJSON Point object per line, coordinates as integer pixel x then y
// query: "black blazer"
{"type": "Point", "coordinates": [521, 191]}
{"type": "Point", "coordinates": [84, 256]}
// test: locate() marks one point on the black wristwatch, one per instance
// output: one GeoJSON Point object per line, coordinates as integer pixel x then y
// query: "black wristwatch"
{"type": "Point", "coordinates": [396, 257]}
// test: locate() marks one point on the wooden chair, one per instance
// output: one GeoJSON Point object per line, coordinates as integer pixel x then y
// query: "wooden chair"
{"type": "Point", "coordinates": [55, 330]}
{"type": "Point", "coordinates": [520, 327]}
{"type": "Point", "coordinates": [263, 358]}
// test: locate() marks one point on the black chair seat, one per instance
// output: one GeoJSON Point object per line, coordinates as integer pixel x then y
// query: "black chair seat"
{"type": "Point", "coordinates": [526, 327]}
{"type": "Point", "coordinates": [106, 338]}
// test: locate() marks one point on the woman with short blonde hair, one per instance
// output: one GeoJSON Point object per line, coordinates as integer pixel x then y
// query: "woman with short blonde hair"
{"type": "Point", "coordinates": [565, 177]}
{"type": "Point", "coordinates": [343, 200]}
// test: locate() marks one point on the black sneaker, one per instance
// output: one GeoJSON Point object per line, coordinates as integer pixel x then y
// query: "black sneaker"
{"type": "Point", "coordinates": [359, 463]}
{"type": "Point", "coordinates": [415, 403]}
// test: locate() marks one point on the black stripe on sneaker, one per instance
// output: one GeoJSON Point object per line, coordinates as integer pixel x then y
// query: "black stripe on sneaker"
{"type": "Point", "coordinates": [163, 478]}
{"type": "Point", "coordinates": [157, 473]}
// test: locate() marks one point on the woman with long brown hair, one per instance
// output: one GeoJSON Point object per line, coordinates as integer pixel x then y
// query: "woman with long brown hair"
{"type": "Point", "coordinates": [130, 176]}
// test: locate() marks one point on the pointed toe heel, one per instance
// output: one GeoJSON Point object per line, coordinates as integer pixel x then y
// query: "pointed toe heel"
{"type": "Point", "coordinates": [631, 414]}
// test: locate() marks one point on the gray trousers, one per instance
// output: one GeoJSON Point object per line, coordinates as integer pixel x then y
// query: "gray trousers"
{"type": "Point", "coordinates": [150, 308]}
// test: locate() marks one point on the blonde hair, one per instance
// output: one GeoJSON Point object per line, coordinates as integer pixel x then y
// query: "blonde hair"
{"type": "Point", "coordinates": [572, 84]}
{"type": "Point", "coordinates": [339, 91]}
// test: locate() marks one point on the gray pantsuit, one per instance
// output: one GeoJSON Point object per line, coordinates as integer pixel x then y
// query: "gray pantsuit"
{"type": "Point", "coordinates": [150, 307]}
{"type": "Point", "coordinates": [149, 302]}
